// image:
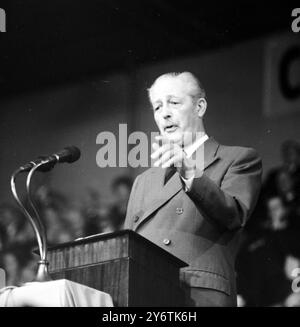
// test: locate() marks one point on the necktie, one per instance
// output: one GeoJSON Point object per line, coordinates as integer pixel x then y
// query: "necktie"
{"type": "Point", "coordinates": [170, 171]}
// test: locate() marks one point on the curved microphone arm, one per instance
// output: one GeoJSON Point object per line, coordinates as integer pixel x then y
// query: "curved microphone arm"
{"type": "Point", "coordinates": [41, 228]}
{"type": "Point", "coordinates": [33, 223]}
{"type": "Point", "coordinates": [68, 154]}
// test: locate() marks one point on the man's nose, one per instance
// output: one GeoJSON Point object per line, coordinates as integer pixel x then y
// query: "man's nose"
{"type": "Point", "coordinates": [166, 112]}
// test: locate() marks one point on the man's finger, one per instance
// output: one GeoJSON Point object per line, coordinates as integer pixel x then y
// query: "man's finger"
{"type": "Point", "coordinates": [175, 160]}
{"type": "Point", "coordinates": [165, 157]}
{"type": "Point", "coordinates": [155, 146]}
{"type": "Point", "coordinates": [159, 150]}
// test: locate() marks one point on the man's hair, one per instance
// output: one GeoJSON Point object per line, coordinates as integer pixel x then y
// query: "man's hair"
{"type": "Point", "coordinates": [195, 87]}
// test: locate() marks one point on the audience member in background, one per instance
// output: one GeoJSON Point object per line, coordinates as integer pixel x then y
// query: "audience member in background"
{"type": "Point", "coordinates": [262, 263]}
{"type": "Point", "coordinates": [19, 264]}
{"type": "Point", "coordinates": [93, 211]}
{"type": "Point", "coordinates": [11, 264]}
{"type": "Point", "coordinates": [290, 154]}
{"type": "Point", "coordinates": [2, 237]}
{"type": "Point", "coordinates": [17, 242]}
{"type": "Point", "coordinates": [289, 192]}
{"type": "Point", "coordinates": [29, 270]}
{"type": "Point", "coordinates": [15, 228]}
{"type": "Point", "coordinates": [291, 157]}
{"type": "Point", "coordinates": [285, 186]}
{"type": "Point", "coordinates": [121, 187]}
{"type": "Point", "coordinates": [52, 206]}
{"type": "Point", "coordinates": [58, 229]}
{"type": "Point", "coordinates": [75, 223]}
{"type": "Point", "coordinates": [284, 181]}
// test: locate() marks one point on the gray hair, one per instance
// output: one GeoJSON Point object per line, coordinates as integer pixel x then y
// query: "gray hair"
{"type": "Point", "coordinates": [195, 87]}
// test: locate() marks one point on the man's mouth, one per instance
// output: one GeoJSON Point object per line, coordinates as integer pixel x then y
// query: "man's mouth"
{"type": "Point", "coordinates": [170, 128]}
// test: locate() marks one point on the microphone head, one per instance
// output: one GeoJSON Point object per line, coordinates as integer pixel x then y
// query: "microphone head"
{"type": "Point", "coordinates": [68, 154]}
{"type": "Point", "coordinates": [71, 154]}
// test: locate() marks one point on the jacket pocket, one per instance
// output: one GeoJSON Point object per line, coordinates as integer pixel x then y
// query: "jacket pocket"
{"type": "Point", "coordinates": [206, 279]}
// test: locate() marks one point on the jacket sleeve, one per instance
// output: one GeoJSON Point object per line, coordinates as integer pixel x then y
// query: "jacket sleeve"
{"type": "Point", "coordinates": [232, 203]}
{"type": "Point", "coordinates": [131, 207]}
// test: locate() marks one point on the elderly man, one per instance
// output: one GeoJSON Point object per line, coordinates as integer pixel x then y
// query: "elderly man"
{"type": "Point", "coordinates": [199, 194]}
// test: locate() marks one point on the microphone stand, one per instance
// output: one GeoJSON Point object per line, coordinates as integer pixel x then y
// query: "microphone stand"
{"type": "Point", "coordinates": [42, 273]}
{"type": "Point", "coordinates": [36, 223]}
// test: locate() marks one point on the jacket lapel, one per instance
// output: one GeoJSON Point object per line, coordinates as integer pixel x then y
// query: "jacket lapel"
{"type": "Point", "coordinates": [161, 193]}
{"type": "Point", "coordinates": [210, 152]}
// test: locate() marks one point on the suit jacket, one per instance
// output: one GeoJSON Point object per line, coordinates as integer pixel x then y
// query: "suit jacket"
{"type": "Point", "coordinates": [200, 226]}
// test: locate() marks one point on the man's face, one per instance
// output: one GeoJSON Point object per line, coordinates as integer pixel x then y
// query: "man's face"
{"type": "Point", "coordinates": [175, 111]}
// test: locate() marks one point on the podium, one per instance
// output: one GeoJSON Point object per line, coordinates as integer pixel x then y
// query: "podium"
{"type": "Point", "coordinates": [133, 270]}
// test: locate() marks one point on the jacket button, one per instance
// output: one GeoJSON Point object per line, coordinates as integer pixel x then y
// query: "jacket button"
{"type": "Point", "coordinates": [179, 211]}
{"type": "Point", "coordinates": [136, 218]}
{"type": "Point", "coordinates": [166, 241]}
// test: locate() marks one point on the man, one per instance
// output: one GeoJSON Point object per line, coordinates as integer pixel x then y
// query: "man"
{"type": "Point", "coordinates": [197, 213]}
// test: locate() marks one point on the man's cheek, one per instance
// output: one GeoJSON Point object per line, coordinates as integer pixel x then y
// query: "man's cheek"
{"type": "Point", "coordinates": [157, 122]}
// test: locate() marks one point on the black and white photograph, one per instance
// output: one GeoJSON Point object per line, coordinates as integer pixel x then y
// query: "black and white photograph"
{"type": "Point", "coordinates": [149, 156]}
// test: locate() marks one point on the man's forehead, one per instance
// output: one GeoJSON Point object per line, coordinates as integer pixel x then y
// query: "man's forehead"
{"type": "Point", "coordinates": [168, 86]}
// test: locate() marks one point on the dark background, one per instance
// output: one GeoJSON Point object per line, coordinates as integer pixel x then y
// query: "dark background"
{"type": "Point", "coordinates": [50, 42]}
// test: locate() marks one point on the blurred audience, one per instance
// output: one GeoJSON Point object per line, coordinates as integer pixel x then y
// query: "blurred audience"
{"type": "Point", "coordinates": [270, 248]}
{"type": "Point", "coordinates": [262, 262]}
{"type": "Point", "coordinates": [64, 221]}
{"type": "Point", "coordinates": [285, 179]}
{"type": "Point", "coordinates": [14, 228]}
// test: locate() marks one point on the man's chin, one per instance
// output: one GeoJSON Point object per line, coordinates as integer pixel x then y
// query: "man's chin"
{"type": "Point", "coordinates": [173, 137]}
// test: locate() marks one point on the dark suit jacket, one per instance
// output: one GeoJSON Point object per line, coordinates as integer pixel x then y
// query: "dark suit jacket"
{"type": "Point", "coordinates": [200, 226]}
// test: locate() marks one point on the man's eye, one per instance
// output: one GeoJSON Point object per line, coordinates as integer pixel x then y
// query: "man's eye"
{"type": "Point", "coordinates": [174, 102]}
{"type": "Point", "coordinates": [157, 108]}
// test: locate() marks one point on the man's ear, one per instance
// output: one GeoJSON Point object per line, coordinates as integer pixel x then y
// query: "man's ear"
{"type": "Point", "coordinates": [201, 107]}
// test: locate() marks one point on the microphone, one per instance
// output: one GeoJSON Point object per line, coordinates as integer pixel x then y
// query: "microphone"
{"type": "Point", "coordinates": [68, 154]}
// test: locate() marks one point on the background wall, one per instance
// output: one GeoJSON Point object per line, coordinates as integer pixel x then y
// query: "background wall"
{"type": "Point", "coordinates": [47, 120]}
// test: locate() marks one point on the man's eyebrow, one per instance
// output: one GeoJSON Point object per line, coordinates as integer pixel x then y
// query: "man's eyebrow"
{"type": "Point", "coordinates": [156, 101]}
{"type": "Point", "coordinates": [174, 96]}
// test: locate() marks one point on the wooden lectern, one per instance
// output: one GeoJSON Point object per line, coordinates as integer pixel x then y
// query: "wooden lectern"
{"type": "Point", "coordinates": [133, 270]}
